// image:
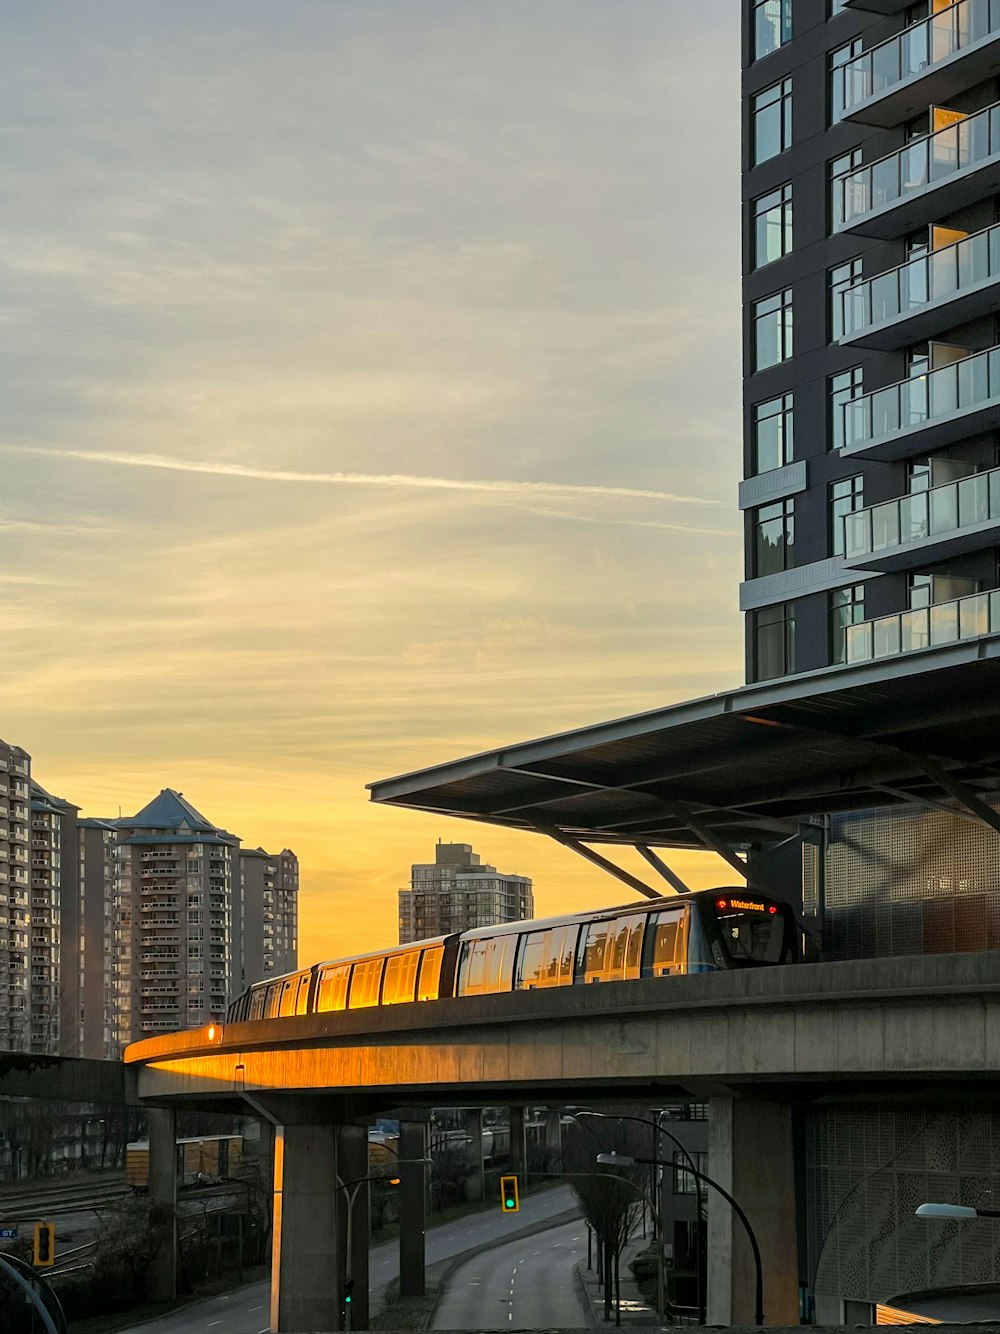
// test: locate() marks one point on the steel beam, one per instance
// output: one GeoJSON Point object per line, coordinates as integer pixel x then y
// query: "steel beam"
{"type": "Point", "coordinates": [661, 867]}
{"type": "Point", "coordinates": [596, 859]}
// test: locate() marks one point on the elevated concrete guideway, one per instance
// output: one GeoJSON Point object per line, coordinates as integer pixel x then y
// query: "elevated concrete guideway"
{"type": "Point", "coordinates": [837, 1025]}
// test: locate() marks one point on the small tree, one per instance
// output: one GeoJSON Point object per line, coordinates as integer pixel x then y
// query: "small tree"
{"type": "Point", "coordinates": [611, 1197]}
{"type": "Point", "coordinates": [131, 1234]}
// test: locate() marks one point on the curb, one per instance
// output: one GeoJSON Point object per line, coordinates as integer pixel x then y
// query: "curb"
{"type": "Point", "coordinates": [584, 1294]}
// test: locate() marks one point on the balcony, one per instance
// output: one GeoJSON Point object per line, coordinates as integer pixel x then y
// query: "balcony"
{"type": "Point", "coordinates": [927, 412]}
{"type": "Point", "coordinates": [950, 286]}
{"type": "Point", "coordinates": [937, 174]}
{"type": "Point", "coordinates": [927, 627]}
{"type": "Point", "coordinates": [925, 64]}
{"type": "Point", "coordinates": [930, 526]}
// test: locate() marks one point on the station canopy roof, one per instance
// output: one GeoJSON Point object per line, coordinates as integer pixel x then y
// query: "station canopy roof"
{"type": "Point", "coordinates": [747, 767]}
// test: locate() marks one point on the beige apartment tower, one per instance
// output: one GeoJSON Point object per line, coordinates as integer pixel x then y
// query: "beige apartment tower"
{"type": "Point", "coordinates": [456, 892]}
{"type": "Point", "coordinates": [268, 916]}
{"type": "Point", "coordinates": [15, 891]}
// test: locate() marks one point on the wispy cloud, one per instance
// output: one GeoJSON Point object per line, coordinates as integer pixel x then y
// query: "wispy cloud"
{"type": "Point", "coordinates": [496, 486]}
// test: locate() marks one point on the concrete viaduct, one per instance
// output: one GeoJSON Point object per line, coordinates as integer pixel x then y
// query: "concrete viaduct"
{"type": "Point", "coordinates": [754, 1044]}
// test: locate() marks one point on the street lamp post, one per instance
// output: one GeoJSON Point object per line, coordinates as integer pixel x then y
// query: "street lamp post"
{"type": "Point", "coordinates": [351, 1189]}
{"type": "Point", "coordinates": [621, 1160]}
{"type": "Point", "coordinates": [657, 1126]}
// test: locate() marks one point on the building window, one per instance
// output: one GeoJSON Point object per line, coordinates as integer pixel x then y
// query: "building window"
{"type": "Point", "coordinates": [772, 121]}
{"type": "Point", "coordinates": [839, 279]}
{"type": "Point", "coordinates": [838, 59]}
{"type": "Point", "coordinates": [846, 497]}
{"type": "Point", "coordinates": [772, 330]}
{"type": "Point", "coordinates": [684, 1181]}
{"type": "Point", "coordinates": [774, 641]}
{"type": "Point", "coordinates": [772, 226]}
{"type": "Point", "coordinates": [772, 26]}
{"type": "Point", "coordinates": [844, 387]}
{"type": "Point", "coordinates": [774, 538]}
{"type": "Point", "coordinates": [841, 166]}
{"type": "Point", "coordinates": [772, 433]}
{"type": "Point", "coordinates": [847, 607]}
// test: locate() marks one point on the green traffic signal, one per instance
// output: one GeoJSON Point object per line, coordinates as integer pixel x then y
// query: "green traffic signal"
{"type": "Point", "coordinates": [508, 1195]}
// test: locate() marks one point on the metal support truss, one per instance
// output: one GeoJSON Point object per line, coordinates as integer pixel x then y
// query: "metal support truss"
{"type": "Point", "coordinates": [964, 795]}
{"type": "Point", "coordinates": [717, 845]}
{"type": "Point", "coordinates": [595, 858]}
{"type": "Point", "coordinates": [661, 868]}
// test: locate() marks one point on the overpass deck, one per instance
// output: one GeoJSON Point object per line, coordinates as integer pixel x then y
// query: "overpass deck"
{"type": "Point", "coordinates": [821, 1028]}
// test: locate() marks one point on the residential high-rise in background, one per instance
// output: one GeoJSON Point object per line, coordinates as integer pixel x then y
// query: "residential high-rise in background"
{"type": "Point", "coordinates": [456, 892]}
{"type": "Point", "coordinates": [268, 914]}
{"type": "Point", "coordinates": [114, 929]}
{"type": "Point", "coordinates": [15, 890]}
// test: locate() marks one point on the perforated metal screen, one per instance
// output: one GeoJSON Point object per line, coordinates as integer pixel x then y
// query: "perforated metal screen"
{"type": "Point", "coordinates": [926, 882]}
{"type": "Point", "coordinates": [867, 1171]}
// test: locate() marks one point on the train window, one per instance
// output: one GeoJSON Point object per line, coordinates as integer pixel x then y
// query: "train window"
{"type": "Point", "coordinates": [302, 996]}
{"type": "Point", "coordinates": [552, 957]}
{"type": "Point", "coordinates": [501, 968]}
{"type": "Point", "coordinates": [529, 963]}
{"type": "Point", "coordinates": [594, 946]}
{"type": "Point", "coordinates": [430, 974]}
{"type": "Point", "coordinates": [365, 984]}
{"type": "Point", "coordinates": [475, 967]}
{"type": "Point", "coordinates": [273, 997]}
{"type": "Point", "coordinates": [332, 992]}
{"type": "Point", "coordinates": [568, 955]}
{"type": "Point", "coordinates": [257, 1003]}
{"type": "Point", "coordinates": [633, 958]}
{"type": "Point", "coordinates": [286, 1002]}
{"type": "Point", "coordinates": [666, 941]}
{"type": "Point", "coordinates": [400, 978]}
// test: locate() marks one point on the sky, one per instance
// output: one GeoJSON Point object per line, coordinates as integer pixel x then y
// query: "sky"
{"type": "Point", "coordinates": [370, 398]}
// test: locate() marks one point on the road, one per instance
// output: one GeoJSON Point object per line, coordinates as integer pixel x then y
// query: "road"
{"type": "Point", "coordinates": [518, 1285]}
{"type": "Point", "coordinates": [246, 1311]}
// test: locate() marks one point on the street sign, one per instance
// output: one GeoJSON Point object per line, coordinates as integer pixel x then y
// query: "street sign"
{"type": "Point", "coordinates": [8, 1234]}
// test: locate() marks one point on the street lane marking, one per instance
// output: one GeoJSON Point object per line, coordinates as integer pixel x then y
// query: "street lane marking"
{"type": "Point", "coordinates": [214, 1322]}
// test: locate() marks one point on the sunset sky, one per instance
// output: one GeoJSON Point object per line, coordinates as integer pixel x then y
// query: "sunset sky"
{"type": "Point", "coordinates": [371, 397]}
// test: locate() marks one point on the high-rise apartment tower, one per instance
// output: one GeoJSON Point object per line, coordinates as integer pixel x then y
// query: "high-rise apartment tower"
{"type": "Point", "coordinates": [456, 892]}
{"type": "Point", "coordinates": [266, 916]}
{"type": "Point", "coordinates": [871, 172]}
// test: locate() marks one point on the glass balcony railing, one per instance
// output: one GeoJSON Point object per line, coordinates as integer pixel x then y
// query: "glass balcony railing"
{"type": "Point", "coordinates": [909, 404]}
{"type": "Point", "coordinates": [925, 627]}
{"type": "Point", "coordinates": [938, 276]}
{"type": "Point", "coordinates": [913, 51]}
{"type": "Point", "coordinates": [937, 512]}
{"type": "Point", "coordinates": [956, 148]}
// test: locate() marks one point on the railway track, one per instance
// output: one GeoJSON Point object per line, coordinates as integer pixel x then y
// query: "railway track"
{"type": "Point", "coordinates": [38, 1201]}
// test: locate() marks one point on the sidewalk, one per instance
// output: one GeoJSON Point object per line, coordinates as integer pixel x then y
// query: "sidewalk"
{"type": "Point", "coordinates": [635, 1311]}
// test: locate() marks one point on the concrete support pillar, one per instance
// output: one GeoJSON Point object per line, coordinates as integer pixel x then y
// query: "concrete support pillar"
{"type": "Point", "coordinates": [476, 1183]}
{"type": "Point", "coordinates": [750, 1154]}
{"type": "Point", "coordinates": [352, 1167]}
{"type": "Point", "coordinates": [162, 1285]}
{"type": "Point", "coordinates": [413, 1145]}
{"type": "Point", "coordinates": [518, 1144]}
{"type": "Point", "coordinates": [304, 1272]}
{"type": "Point", "coordinates": [553, 1139]}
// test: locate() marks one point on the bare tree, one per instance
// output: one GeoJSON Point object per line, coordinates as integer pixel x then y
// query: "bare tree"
{"type": "Point", "coordinates": [611, 1198]}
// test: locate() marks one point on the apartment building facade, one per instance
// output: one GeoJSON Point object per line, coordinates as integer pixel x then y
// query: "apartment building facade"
{"type": "Point", "coordinates": [15, 898]}
{"type": "Point", "coordinates": [176, 875]}
{"type": "Point", "coordinates": [268, 915]}
{"type": "Point", "coordinates": [871, 497]}
{"type": "Point", "coordinates": [53, 882]}
{"type": "Point", "coordinates": [871, 172]}
{"type": "Point", "coordinates": [457, 892]}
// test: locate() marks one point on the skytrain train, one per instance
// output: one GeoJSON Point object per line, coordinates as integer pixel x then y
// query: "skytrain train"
{"type": "Point", "coordinates": [691, 933]}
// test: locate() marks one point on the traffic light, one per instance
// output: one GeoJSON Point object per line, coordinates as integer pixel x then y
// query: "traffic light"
{"type": "Point", "coordinates": [509, 1203]}
{"type": "Point", "coordinates": [45, 1245]}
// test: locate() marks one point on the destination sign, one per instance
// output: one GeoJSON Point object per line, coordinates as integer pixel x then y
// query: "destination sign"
{"type": "Point", "coordinates": [744, 905]}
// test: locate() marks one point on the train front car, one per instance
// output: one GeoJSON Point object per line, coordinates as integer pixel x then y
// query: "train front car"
{"type": "Point", "coordinates": [737, 928]}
